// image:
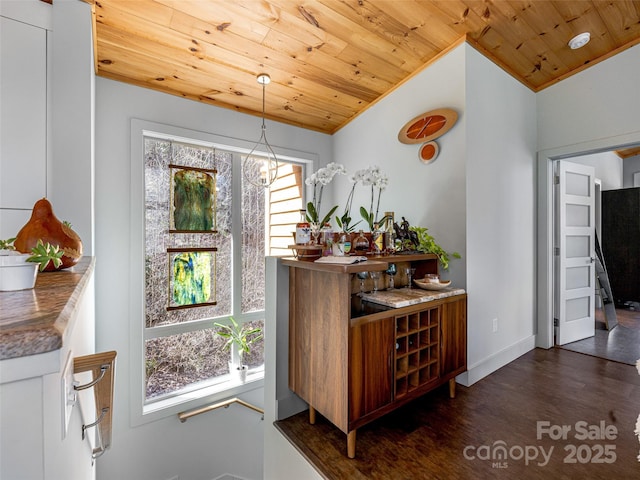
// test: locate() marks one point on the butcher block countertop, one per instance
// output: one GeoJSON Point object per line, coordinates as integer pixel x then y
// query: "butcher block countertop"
{"type": "Point", "coordinates": [35, 321]}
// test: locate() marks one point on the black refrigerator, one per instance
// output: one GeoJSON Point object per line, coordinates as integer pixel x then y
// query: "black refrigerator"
{"type": "Point", "coordinates": [621, 243]}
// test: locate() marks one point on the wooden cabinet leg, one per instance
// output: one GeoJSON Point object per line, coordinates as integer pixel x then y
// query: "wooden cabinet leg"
{"type": "Point", "coordinates": [312, 415]}
{"type": "Point", "coordinates": [351, 444]}
{"type": "Point", "coordinates": [452, 388]}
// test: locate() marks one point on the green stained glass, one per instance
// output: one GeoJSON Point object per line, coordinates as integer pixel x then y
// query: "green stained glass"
{"type": "Point", "coordinates": [191, 277]}
{"type": "Point", "coordinates": [193, 200]}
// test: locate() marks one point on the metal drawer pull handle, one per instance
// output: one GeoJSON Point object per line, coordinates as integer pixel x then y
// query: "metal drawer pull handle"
{"type": "Point", "coordinates": [103, 370]}
{"type": "Point", "coordinates": [102, 414]}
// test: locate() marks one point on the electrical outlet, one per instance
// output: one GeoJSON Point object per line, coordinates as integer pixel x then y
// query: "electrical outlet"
{"type": "Point", "coordinates": [69, 395]}
{"type": "Point", "coordinates": [495, 325]}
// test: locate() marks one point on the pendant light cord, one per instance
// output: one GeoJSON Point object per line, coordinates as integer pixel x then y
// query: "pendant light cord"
{"type": "Point", "coordinates": [271, 173]}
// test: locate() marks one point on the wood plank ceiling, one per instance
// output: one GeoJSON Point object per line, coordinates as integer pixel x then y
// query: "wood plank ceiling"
{"type": "Point", "coordinates": [331, 59]}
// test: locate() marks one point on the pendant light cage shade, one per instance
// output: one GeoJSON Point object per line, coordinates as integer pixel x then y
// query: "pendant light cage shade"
{"type": "Point", "coordinates": [260, 166]}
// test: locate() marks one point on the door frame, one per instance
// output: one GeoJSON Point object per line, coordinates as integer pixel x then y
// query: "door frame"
{"type": "Point", "coordinates": [545, 218]}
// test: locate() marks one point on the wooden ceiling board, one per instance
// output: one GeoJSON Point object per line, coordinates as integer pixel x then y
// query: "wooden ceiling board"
{"type": "Point", "coordinates": [551, 29]}
{"type": "Point", "coordinates": [404, 41]}
{"type": "Point", "coordinates": [331, 59]}
{"type": "Point", "coordinates": [313, 63]}
{"type": "Point", "coordinates": [218, 70]}
{"type": "Point", "coordinates": [628, 152]}
{"type": "Point", "coordinates": [622, 20]}
{"type": "Point", "coordinates": [372, 49]}
{"type": "Point", "coordinates": [538, 40]}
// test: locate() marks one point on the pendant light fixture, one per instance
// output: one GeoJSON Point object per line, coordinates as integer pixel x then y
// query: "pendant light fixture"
{"type": "Point", "coordinates": [268, 171]}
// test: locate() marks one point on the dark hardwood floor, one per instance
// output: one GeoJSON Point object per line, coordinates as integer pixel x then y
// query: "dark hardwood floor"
{"type": "Point", "coordinates": [436, 437]}
{"type": "Point", "coordinates": [620, 344]}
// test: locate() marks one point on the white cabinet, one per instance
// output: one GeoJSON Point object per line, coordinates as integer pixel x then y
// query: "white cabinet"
{"type": "Point", "coordinates": [23, 121]}
{"type": "Point", "coordinates": [34, 444]}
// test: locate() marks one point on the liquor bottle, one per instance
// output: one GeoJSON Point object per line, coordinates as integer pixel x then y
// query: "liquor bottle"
{"type": "Point", "coordinates": [326, 239]}
{"type": "Point", "coordinates": [303, 229]}
{"type": "Point", "coordinates": [389, 233]}
{"type": "Point", "coordinates": [361, 244]}
{"type": "Point", "coordinates": [343, 245]}
{"type": "Point", "coordinates": [377, 240]}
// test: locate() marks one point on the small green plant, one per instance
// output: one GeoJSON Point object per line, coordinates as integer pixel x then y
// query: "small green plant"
{"type": "Point", "coordinates": [43, 253]}
{"type": "Point", "coordinates": [7, 244]}
{"type": "Point", "coordinates": [427, 244]}
{"type": "Point", "coordinates": [242, 336]}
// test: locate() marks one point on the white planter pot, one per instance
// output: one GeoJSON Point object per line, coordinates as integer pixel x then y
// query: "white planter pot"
{"type": "Point", "coordinates": [238, 371]}
{"type": "Point", "coordinates": [16, 273]}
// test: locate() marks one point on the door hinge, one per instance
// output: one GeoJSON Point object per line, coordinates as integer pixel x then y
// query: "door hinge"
{"type": "Point", "coordinates": [556, 179]}
{"type": "Point", "coordinates": [556, 251]}
{"type": "Point", "coordinates": [555, 322]}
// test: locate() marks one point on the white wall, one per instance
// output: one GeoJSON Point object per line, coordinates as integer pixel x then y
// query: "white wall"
{"type": "Point", "coordinates": [601, 102]}
{"type": "Point", "coordinates": [607, 165]}
{"type": "Point", "coordinates": [223, 441]}
{"type": "Point", "coordinates": [477, 198]}
{"type": "Point", "coordinates": [500, 213]}
{"type": "Point", "coordinates": [433, 195]}
{"type": "Point", "coordinates": [71, 176]}
{"type": "Point", "coordinates": [631, 165]}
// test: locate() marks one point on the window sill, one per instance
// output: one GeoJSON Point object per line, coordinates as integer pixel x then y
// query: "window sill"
{"type": "Point", "coordinates": [198, 398]}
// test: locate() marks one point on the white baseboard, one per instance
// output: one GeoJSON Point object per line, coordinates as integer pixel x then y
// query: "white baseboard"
{"type": "Point", "coordinates": [487, 366]}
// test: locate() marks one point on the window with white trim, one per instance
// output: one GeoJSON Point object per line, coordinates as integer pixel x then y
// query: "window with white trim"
{"type": "Point", "coordinates": [182, 351]}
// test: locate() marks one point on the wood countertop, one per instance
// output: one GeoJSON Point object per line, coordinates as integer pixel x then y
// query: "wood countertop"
{"type": "Point", "coordinates": [373, 263]}
{"type": "Point", "coordinates": [34, 321]}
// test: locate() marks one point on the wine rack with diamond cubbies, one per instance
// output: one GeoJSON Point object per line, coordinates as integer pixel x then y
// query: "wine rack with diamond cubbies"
{"type": "Point", "coordinates": [417, 350]}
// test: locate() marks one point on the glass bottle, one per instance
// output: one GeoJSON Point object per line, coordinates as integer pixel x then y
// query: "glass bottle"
{"type": "Point", "coordinates": [377, 240]}
{"type": "Point", "coordinates": [326, 239]}
{"type": "Point", "coordinates": [361, 244]}
{"type": "Point", "coordinates": [303, 229]}
{"type": "Point", "coordinates": [389, 232]}
{"type": "Point", "coordinates": [344, 243]}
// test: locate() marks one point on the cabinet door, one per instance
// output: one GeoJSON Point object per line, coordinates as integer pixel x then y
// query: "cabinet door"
{"type": "Point", "coordinates": [370, 365]}
{"type": "Point", "coordinates": [23, 125]}
{"type": "Point", "coordinates": [453, 342]}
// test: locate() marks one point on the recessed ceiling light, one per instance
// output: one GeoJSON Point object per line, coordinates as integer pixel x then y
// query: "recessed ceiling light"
{"type": "Point", "coordinates": [579, 40]}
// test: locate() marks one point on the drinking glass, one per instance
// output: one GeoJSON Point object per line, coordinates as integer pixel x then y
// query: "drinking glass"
{"type": "Point", "coordinates": [391, 271]}
{"type": "Point", "coordinates": [375, 276]}
{"type": "Point", "coordinates": [410, 272]}
{"type": "Point", "coordinates": [362, 276]}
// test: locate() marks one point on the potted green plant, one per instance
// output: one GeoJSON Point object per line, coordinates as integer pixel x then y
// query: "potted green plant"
{"type": "Point", "coordinates": [18, 271]}
{"type": "Point", "coordinates": [427, 244]}
{"type": "Point", "coordinates": [240, 338]}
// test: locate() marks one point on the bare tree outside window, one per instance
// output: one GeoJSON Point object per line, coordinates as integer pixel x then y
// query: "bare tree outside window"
{"type": "Point", "coordinates": [192, 355]}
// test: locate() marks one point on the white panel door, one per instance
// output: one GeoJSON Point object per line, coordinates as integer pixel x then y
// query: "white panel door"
{"type": "Point", "coordinates": [575, 252]}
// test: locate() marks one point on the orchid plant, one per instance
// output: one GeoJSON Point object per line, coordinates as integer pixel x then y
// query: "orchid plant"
{"type": "Point", "coordinates": [378, 182]}
{"type": "Point", "coordinates": [344, 222]}
{"type": "Point", "coordinates": [318, 180]}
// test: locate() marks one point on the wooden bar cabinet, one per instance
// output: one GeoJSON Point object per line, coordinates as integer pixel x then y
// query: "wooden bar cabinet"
{"type": "Point", "coordinates": [352, 360]}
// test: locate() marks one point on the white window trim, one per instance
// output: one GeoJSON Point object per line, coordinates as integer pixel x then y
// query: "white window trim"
{"type": "Point", "coordinates": [141, 413]}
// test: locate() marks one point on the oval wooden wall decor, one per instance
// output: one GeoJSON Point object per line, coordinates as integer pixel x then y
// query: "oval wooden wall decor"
{"type": "Point", "coordinates": [428, 126]}
{"type": "Point", "coordinates": [428, 152]}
